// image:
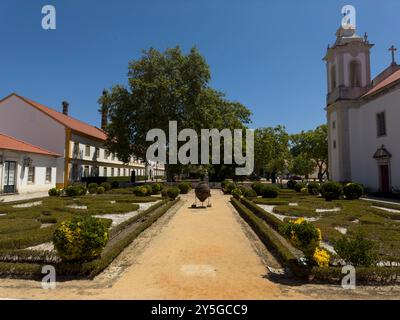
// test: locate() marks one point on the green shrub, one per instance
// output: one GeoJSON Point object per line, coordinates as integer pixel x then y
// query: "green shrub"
{"type": "Point", "coordinates": [357, 250]}
{"type": "Point", "coordinates": [223, 183]}
{"type": "Point", "coordinates": [313, 188]}
{"type": "Point", "coordinates": [155, 188]}
{"type": "Point", "coordinates": [269, 191]}
{"type": "Point", "coordinates": [140, 191]}
{"type": "Point", "coordinates": [106, 186]}
{"type": "Point", "coordinates": [92, 187]}
{"type": "Point", "coordinates": [257, 186]}
{"type": "Point", "coordinates": [101, 190]}
{"type": "Point", "coordinates": [149, 189]}
{"type": "Point", "coordinates": [250, 194]}
{"type": "Point", "coordinates": [353, 191]}
{"type": "Point", "coordinates": [73, 191]}
{"type": "Point", "coordinates": [54, 192]}
{"type": "Point", "coordinates": [331, 190]}
{"type": "Point", "coordinates": [173, 192]}
{"type": "Point", "coordinates": [81, 238]}
{"type": "Point", "coordinates": [291, 184]}
{"type": "Point", "coordinates": [229, 186]}
{"type": "Point", "coordinates": [236, 193]}
{"type": "Point", "coordinates": [299, 185]}
{"type": "Point", "coordinates": [303, 235]}
{"type": "Point", "coordinates": [184, 187]}
{"type": "Point", "coordinates": [82, 188]}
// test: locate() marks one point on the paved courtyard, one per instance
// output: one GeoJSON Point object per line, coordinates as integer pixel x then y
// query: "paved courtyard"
{"type": "Point", "coordinates": [191, 254]}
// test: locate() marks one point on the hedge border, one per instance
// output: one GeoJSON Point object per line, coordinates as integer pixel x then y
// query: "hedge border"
{"type": "Point", "coordinates": [89, 269]}
{"type": "Point", "coordinates": [364, 275]}
{"type": "Point", "coordinates": [268, 237]}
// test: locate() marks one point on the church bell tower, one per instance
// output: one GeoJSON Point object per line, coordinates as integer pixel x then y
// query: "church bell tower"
{"type": "Point", "coordinates": [348, 78]}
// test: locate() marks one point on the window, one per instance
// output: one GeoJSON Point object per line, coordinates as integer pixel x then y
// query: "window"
{"type": "Point", "coordinates": [124, 172]}
{"type": "Point", "coordinates": [86, 172]}
{"type": "Point", "coordinates": [112, 172]}
{"type": "Point", "coordinates": [334, 144]}
{"type": "Point", "coordinates": [381, 124]}
{"type": "Point", "coordinates": [48, 175]}
{"type": "Point", "coordinates": [87, 151]}
{"type": "Point", "coordinates": [76, 149]}
{"type": "Point", "coordinates": [31, 175]}
{"type": "Point", "coordinates": [333, 78]}
{"type": "Point", "coordinates": [106, 154]}
{"type": "Point", "coordinates": [97, 153]}
{"type": "Point", "coordinates": [105, 172]}
{"type": "Point", "coordinates": [119, 172]}
{"type": "Point", "coordinates": [112, 156]}
{"type": "Point", "coordinates": [355, 74]}
{"type": "Point", "coordinates": [333, 124]}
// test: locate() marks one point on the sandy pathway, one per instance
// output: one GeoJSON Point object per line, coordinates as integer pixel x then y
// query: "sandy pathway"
{"type": "Point", "coordinates": [191, 254]}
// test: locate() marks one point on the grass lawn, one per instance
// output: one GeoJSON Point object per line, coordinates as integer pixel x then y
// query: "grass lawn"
{"type": "Point", "coordinates": [29, 226]}
{"type": "Point", "coordinates": [377, 224]}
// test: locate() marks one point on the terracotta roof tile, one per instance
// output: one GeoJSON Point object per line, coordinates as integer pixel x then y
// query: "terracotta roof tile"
{"type": "Point", "coordinates": [67, 121]}
{"type": "Point", "coordinates": [385, 83]}
{"type": "Point", "coordinates": [10, 143]}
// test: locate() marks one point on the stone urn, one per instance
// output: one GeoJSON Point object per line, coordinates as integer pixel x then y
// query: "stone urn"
{"type": "Point", "coordinates": [202, 191]}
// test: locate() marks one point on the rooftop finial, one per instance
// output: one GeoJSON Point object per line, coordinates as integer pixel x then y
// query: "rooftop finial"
{"type": "Point", "coordinates": [393, 50]}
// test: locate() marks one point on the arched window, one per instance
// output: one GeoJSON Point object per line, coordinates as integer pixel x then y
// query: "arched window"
{"type": "Point", "coordinates": [333, 78]}
{"type": "Point", "coordinates": [355, 74]}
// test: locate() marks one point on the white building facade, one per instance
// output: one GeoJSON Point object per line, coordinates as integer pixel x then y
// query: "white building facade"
{"type": "Point", "coordinates": [25, 168]}
{"type": "Point", "coordinates": [80, 145]}
{"type": "Point", "coordinates": [362, 115]}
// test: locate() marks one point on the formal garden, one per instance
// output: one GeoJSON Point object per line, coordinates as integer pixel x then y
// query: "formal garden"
{"type": "Point", "coordinates": [316, 228]}
{"type": "Point", "coordinates": [78, 230]}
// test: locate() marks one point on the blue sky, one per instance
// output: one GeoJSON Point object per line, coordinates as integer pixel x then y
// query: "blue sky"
{"type": "Point", "coordinates": [265, 54]}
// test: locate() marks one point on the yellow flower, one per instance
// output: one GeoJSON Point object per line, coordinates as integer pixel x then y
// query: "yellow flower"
{"type": "Point", "coordinates": [299, 221]}
{"type": "Point", "coordinates": [321, 257]}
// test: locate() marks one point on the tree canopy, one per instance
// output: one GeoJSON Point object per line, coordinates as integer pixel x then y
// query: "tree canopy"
{"type": "Point", "coordinates": [162, 87]}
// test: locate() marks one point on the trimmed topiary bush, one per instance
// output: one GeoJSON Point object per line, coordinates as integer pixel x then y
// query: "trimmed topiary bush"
{"type": "Point", "coordinates": [149, 189]}
{"type": "Point", "coordinates": [257, 186]}
{"type": "Point", "coordinates": [54, 192]}
{"type": "Point", "coordinates": [184, 187]}
{"type": "Point", "coordinates": [299, 186]}
{"type": "Point", "coordinates": [155, 188]}
{"type": "Point", "coordinates": [106, 186]}
{"type": "Point", "coordinates": [353, 191]}
{"type": "Point", "coordinates": [250, 194]}
{"type": "Point", "coordinates": [73, 191]}
{"type": "Point", "coordinates": [313, 188]}
{"type": "Point", "coordinates": [173, 192]}
{"type": "Point", "coordinates": [331, 190]}
{"type": "Point", "coordinates": [269, 191]}
{"type": "Point", "coordinates": [229, 186]}
{"type": "Point", "coordinates": [101, 190]}
{"type": "Point", "coordinates": [236, 193]}
{"type": "Point", "coordinates": [81, 238]}
{"type": "Point", "coordinates": [92, 187]}
{"type": "Point", "coordinates": [140, 191]}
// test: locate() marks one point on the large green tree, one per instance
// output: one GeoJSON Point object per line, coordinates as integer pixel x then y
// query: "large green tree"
{"type": "Point", "coordinates": [162, 87]}
{"type": "Point", "coordinates": [314, 145]}
{"type": "Point", "coordinates": [271, 150]}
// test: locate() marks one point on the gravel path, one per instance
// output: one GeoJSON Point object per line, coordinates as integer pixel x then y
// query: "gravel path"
{"type": "Point", "coordinates": [191, 254]}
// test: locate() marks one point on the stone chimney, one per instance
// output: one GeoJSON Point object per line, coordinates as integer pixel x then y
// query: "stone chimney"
{"type": "Point", "coordinates": [104, 112]}
{"type": "Point", "coordinates": [65, 106]}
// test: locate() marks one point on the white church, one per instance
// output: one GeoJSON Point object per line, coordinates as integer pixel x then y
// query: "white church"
{"type": "Point", "coordinates": [363, 115]}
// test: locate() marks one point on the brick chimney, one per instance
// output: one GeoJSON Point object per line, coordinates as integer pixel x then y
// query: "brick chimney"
{"type": "Point", "coordinates": [65, 106]}
{"type": "Point", "coordinates": [104, 112]}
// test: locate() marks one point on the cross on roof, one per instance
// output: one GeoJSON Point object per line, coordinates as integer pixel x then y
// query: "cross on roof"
{"type": "Point", "coordinates": [393, 50]}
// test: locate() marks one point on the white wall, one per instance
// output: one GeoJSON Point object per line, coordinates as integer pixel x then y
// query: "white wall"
{"type": "Point", "coordinates": [39, 162]}
{"type": "Point", "coordinates": [365, 142]}
{"type": "Point", "coordinates": [22, 121]}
